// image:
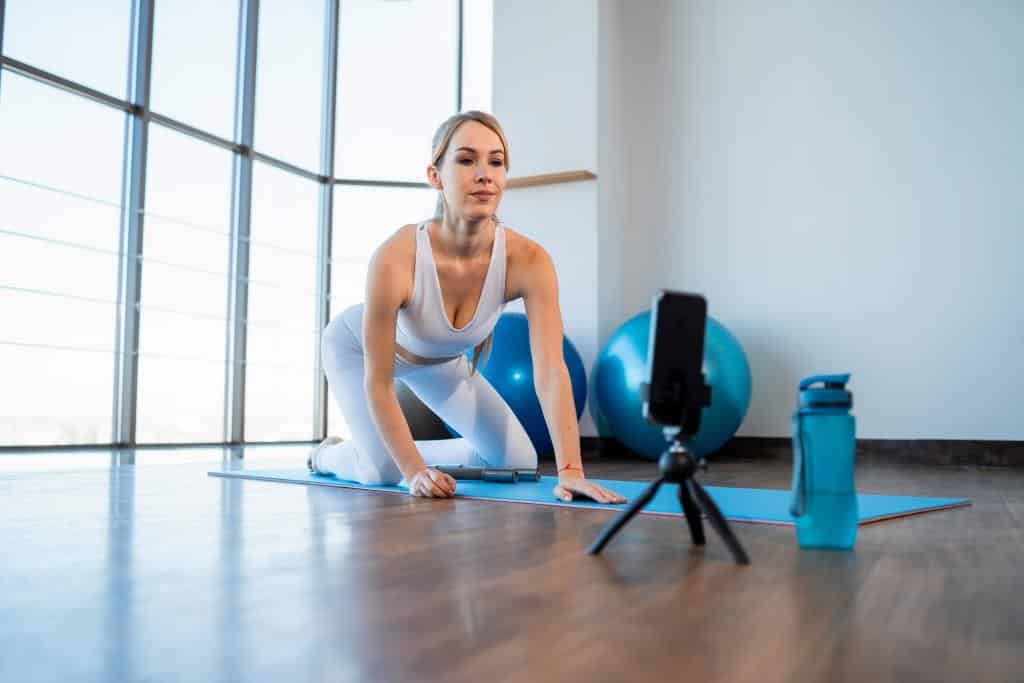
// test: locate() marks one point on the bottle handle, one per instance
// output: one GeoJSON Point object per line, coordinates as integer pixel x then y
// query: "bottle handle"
{"type": "Point", "coordinates": [830, 381]}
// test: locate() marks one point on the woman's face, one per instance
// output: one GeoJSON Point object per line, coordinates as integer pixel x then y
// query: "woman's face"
{"type": "Point", "coordinates": [472, 172]}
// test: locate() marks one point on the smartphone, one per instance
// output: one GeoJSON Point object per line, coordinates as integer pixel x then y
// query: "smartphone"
{"type": "Point", "coordinates": [675, 389]}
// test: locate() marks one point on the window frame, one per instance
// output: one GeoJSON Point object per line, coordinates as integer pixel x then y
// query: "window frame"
{"type": "Point", "coordinates": [136, 108]}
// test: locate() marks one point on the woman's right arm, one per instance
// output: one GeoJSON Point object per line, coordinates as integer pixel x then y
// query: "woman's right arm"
{"type": "Point", "coordinates": [384, 296]}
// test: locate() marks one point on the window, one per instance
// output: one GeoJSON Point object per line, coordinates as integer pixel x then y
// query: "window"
{"type": "Point", "coordinates": [281, 320]}
{"type": "Point", "coordinates": [477, 54]}
{"type": "Point", "coordinates": [289, 80]}
{"type": "Point", "coordinates": [182, 317]}
{"type": "Point", "coordinates": [63, 160]}
{"type": "Point", "coordinates": [387, 114]}
{"type": "Point", "coordinates": [85, 42]}
{"type": "Point", "coordinates": [60, 182]}
{"type": "Point", "coordinates": [195, 44]}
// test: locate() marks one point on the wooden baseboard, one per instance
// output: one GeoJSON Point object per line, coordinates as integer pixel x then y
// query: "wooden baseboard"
{"type": "Point", "coordinates": [962, 453]}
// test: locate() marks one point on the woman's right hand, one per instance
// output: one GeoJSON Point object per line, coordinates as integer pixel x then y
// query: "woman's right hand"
{"type": "Point", "coordinates": [431, 483]}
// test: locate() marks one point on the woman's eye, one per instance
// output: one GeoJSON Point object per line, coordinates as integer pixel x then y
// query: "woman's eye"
{"type": "Point", "coordinates": [494, 162]}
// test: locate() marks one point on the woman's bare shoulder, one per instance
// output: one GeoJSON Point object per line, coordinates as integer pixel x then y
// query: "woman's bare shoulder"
{"type": "Point", "coordinates": [529, 265]}
{"type": "Point", "coordinates": [392, 265]}
{"type": "Point", "coordinates": [521, 251]}
{"type": "Point", "coordinates": [398, 250]}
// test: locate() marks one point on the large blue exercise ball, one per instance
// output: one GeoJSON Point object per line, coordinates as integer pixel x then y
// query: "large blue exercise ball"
{"type": "Point", "coordinates": [509, 369]}
{"type": "Point", "coordinates": [621, 368]}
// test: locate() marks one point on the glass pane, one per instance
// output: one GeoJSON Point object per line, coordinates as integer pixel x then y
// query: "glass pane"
{"type": "Point", "coordinates": [282, 306]}
{"type": "Point", "coordinates": [391, 98]}
{"type": "Point", "coordinates": [270, 305]}
{"type": "Point", "coordinates": [178, 289]}
{"type": "Point", "coordinates": [182, 335]}
{"type": "Point", "coordinates": [277, 345]}
{"type": "Point", "coordinates": [87, 42]}
{"type": "Point", "coordinates": [56, 352]}
{"type": "Point", "coordinates": [289, 77]}
{"type": "Point", "coordinates": [29, 209]}
{"type": "Point", "coordinates": [40, 124]}
{"type": "Point", "coordinates": [57, 386]}
{"type": "Point", "coordinates": [477, 54]}
{"type": "Point", "coordinates": [188, 202]}
{"type": "Point", "coordinates": [363, 218]}
{"type": "Point", "coordinates": [180, 400]}
{"type": "Point", "coordinates": [38, 319]}
{"type": "Point", "coordinates": [278, 403]}
{"type": "Point", "coordinates": [186, 250]}
{"type": "Point", "coordinates": [195, 48]}
{"type": "Point", "coordinates": [53, 397]}
{"type": "Point", "coordinates": [34, 264]}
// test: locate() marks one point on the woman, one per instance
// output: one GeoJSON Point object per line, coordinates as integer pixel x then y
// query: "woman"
{"type": "Point", "coordinates": [434, 290]}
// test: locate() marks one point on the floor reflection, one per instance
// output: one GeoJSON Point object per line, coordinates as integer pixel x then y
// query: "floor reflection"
{"type": "Point", "coordinates": [230, 583]}
{"type": "Point", "coordinates": [119, 651]}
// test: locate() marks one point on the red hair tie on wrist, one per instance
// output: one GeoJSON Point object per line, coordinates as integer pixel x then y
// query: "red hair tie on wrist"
{"type": "Point", "coordinates": [570, 467]}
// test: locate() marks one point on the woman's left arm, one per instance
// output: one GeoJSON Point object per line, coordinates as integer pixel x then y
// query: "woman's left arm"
{"type": "Point", "coordinates": [551, 378]}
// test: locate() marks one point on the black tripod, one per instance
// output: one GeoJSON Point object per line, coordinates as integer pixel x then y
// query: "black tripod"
{"type": "Point", "coordinates": [678, 467]}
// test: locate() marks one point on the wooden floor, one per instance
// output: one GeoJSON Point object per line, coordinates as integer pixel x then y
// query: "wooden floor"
{"type": "Point", "coordinates": [152, 571]}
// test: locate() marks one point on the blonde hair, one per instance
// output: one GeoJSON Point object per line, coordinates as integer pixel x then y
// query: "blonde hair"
{"type": "Point", "coordinates": [442, 138]}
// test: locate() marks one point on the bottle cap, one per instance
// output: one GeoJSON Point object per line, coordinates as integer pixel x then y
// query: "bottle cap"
{"type": "Point", "coordinates": [831, 393]}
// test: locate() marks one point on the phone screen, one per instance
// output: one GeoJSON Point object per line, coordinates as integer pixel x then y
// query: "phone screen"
{"type": "Point", "coordinates": [675, 352]}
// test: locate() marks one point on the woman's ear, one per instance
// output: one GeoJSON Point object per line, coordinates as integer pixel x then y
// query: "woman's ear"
{"type": "Point", "coordinates": [433, 177]}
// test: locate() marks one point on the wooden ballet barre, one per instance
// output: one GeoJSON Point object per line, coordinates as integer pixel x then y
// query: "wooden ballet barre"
{"type": "Point", "coordinates": [550, 179]}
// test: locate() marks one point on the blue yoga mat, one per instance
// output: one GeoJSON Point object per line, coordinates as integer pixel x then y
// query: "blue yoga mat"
{"type": "Point", "coordinates": [765, 506]}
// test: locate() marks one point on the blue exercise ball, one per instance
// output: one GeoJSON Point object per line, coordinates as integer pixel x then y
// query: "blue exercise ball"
{"type": "Point", "coordinates": [509, 369]}
{"type": "Point", "coordinates": [621, 368]}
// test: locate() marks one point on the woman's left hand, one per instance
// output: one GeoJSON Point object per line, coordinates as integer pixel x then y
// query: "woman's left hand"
{"type": "Point", "coordinates": [577, 484]}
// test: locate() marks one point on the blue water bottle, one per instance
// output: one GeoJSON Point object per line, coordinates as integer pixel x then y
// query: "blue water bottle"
{"type": "Point", "coordinates": [824, 447]}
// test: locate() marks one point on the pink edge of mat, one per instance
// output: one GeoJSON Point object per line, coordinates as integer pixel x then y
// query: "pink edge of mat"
{"type": "Point", "coordinates": [909, 513]}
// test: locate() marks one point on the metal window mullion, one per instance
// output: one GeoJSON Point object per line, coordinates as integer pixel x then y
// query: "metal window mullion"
{"type": "Point", "coordinates": [3, 13]}
{"type": "Point", "coordinates": [324, 233]}
{"type": "Point", "coordinates": [129, 285]}
{"type": "Point", "coordinates": [460, 11]}
{"type": "Point", "coordinates": [241, 215]}
{"type": "Point", "coordinates": [43, 76]}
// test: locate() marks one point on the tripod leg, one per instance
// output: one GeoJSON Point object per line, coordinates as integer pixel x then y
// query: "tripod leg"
{"type": "Point", "coordinates": [692, 513]}
{"type": "Point", "coordinates": [718, 522]}
{"type": "Point", "coordinates": [620, 520]}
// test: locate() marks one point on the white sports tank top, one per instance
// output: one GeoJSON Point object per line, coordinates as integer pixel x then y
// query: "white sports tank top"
{"type": "Point", "coordinates": [423, 326]}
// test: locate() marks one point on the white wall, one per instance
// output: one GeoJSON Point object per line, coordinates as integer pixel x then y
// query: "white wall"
{"type": "Point", "coordinates": [843, 180]}
{"type": "Point", "coordinates": [545, 95]}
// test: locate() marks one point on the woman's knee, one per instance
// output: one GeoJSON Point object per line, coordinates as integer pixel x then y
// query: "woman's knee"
{"type": "Point", "coordinates": [378, 479]}
{"type": "Point", "coordinates": [380, 473]}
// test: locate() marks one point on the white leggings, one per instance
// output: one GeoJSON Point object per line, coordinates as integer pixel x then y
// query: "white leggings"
{"type": "Point", "coordinates": [492, 434]}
